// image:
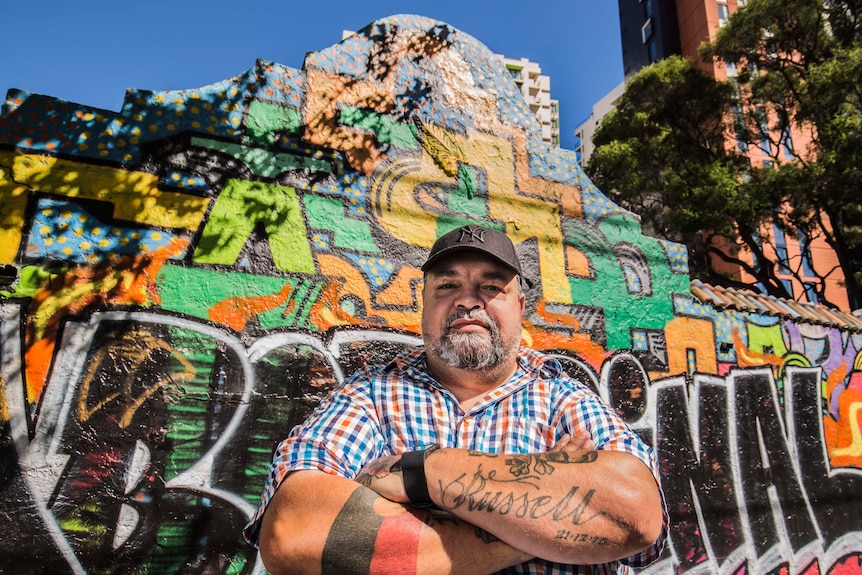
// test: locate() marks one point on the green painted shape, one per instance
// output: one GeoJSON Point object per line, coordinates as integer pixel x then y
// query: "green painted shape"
{"type": "Point", "coordinates": [261, 162]}
{"type": "Point", "coordinates": [31, 279]}
{"type": "Point", "coordinates": [193, 291]}
{"type": "Point", "coordinates": [305, 295]}
{"type": "Point", "coordinates": [796, 359]}
{"type": "Point", "coordinates": [240, 206]}
{"type": "Point", "coordinates": [623, 310]}
{"type": "Point", "coordinates": [465, 198]}
{"type": "Point", "coordinates": [761, 337]}
{"type": "Point", "coordinates": [466, 204]}
{"type": "Point", "coordinates": [187, 425]}
{"type": "Point", "coordinates": [264, 120]}
{"type": "Point", "coordinates": [299, 294]}
{"type": "Point", "coordinates": [347, 233]}
{"type": "Point", "coordinates": [386, 129]}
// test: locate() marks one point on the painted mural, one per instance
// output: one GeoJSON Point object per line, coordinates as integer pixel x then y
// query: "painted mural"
{"type": "Point", "coordinates": [183, 280]}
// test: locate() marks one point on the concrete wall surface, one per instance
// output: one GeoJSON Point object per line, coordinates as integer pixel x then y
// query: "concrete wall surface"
{"type": "Point", "coordinates": [193, 273]}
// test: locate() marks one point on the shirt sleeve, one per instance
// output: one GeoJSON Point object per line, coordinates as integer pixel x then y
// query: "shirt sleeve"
{"type": "Point", "coordinates": [588, 412]}
{"type": "Point", "coordinates": [340, 438]}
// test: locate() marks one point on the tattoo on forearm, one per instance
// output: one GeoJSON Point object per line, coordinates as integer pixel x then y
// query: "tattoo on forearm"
{"type": "Point", "coordinates": [378, 469]}
{"type": "Point", "coordinates": [485, 491]}
{"type": "Point", "coordinates": [350, 544]}
{"type": "Point", "coordinates": [567, 535]}
{"type": "Point", "coordinates": [362, 542]}
{"type": "Point", "coordinates": [486, 537]}
{"type": "Point", "coordinates": [482, 454]}
{"type": "Point", "coordinates": [543, 463]}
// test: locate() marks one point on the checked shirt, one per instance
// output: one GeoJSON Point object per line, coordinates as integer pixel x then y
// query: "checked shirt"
{"type": "Point", "coordinates": [390, 408]}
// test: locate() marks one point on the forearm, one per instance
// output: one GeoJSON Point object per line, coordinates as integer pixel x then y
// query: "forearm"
{"type": "Point", "coordinates": [318, 523]}
{"type": "Point", "coordinates": [582, 507]}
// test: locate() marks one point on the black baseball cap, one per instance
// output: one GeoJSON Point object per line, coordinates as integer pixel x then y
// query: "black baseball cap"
{"type": "Point", "coordinates": [477, 239]}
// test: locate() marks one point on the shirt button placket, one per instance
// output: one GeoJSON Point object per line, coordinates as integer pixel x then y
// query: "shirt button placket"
{"type": "Point", "coordinates": [467, 425]}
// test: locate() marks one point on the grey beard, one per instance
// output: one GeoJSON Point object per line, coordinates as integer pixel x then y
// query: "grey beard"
{"type": "Point", "coordinates": [471, 350]}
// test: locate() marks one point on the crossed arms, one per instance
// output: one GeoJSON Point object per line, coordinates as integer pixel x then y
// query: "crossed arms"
{"type": "Point", "coordinates": [572, 505]}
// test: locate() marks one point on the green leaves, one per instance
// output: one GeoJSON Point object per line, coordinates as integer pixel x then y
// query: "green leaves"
{"type": "Point", "coordinates": [674, 149]}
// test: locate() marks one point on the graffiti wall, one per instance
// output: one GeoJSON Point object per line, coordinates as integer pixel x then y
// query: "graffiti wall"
{"type": "Point", "coordinates": [183, 280]}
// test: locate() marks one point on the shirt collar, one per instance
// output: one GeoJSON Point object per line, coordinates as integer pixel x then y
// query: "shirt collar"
{"type": "Point", "coordinates": [530, 363]}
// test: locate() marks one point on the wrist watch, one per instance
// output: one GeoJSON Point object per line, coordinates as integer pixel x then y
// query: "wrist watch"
{"type": "Point", "coordinates": [413, 475]}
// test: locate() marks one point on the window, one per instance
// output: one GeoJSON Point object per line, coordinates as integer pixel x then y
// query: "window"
{"type": "Point", "coordinates": [811, 292]}
{"type": "Point", "coordinates": [516, 73]}
{"type": "Point", "coordinates": [763, 129]}
{"type": "Point", "coordinates": [651, 52]}
{"type": "Point", "coordinates": [781, 249]}
{"type": "Point", "coordinates": [788, 285]}
{"type": "Point", "coordinates": [646, 31]}
{"type": "Point", "coordinates": [723, 14]}
{"type": "Point", "coordinates": [739, 128]}
{"type": "Point", "coordinates": [807, 263]}
{"type": "Point", "coordinates": [783, 258]}
{"type": "Point", "coordinates": [786, 141]}
{"type": "Point", "coordinates": [648, 9]}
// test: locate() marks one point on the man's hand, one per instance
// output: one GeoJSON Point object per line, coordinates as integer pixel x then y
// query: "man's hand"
{"type": "Point", "coordinates": [383, 476]}
{"type": "Point", "coordinates": [581, 442]}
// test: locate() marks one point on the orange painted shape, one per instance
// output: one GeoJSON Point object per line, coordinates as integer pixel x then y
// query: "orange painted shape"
{"type": "Point", "coordinates": [746, 357]}
{"type": "Point", "coordinates": [684, 333]}
{"type": "Point", "coordinates": [326, 94]}
{"type": "Point", "coordinates": [577, 263]}
{"type": "Point", "coordinates": [235, 312]}
{"type": "Point", "coordinates": [403, 289]}
{"type": "Point", "coordinates": [37, 361]}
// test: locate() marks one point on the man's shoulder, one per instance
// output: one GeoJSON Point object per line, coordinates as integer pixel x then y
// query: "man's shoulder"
{"type": "Point", "coordinates": [404, 361]}
{"type": "Point", "coordinates": [539, 364]}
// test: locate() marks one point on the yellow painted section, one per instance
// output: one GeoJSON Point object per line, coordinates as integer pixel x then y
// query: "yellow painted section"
{"type": "Point", "coordinates": [350, 281]}
{"type": "Point", "coordinates": [13, 202]}
{"type": "Point", "coordinates": [684, 333]}
{"type": "Point", "coordinates": [396, 206]}
{"type": "Point", "coordinates": [404, 213]}
{"type": "Point", "coordinates": [525, 217]}
{"type": "Point", "coordinates": [134, 195]}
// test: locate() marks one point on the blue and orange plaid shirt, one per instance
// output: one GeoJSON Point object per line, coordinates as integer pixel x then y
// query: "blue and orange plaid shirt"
{"type": "Point", "coordinates": [390, 408]}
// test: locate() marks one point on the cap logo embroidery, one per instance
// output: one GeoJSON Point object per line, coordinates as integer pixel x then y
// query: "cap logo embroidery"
{"type": "Point", "coordinates": [471, 233]}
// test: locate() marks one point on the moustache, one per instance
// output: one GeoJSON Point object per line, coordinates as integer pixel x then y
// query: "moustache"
{"type": "Point", "coordinates": [474, 314]}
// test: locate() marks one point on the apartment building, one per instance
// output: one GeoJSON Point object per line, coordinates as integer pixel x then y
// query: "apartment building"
{"type": "Point", "coordinates": [586, 130]}
{"type": "Point", "coordinates": [536, 89]}
{"type": "Point", "coordinates": [654, 29]}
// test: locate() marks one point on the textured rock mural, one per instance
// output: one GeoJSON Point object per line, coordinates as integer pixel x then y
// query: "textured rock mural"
{"type": "Point", "coordinates": [185, 278]}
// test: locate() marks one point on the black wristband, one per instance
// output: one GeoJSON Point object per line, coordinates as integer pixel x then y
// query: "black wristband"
{"type": "Point", "coordinates": [413, 475]}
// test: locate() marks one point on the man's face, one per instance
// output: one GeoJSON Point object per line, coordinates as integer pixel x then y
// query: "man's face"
{"type": "Point", "coordinates": [471, 318]}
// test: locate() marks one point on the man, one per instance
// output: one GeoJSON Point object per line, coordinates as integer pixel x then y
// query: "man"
{"type": "Point", "coordinates": [473, 455]}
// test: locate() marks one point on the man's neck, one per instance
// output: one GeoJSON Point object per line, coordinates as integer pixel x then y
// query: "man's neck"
{"type": "Point", "coordinates": [469, 386]}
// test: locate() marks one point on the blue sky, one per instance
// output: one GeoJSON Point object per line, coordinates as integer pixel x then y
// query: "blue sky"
{"type": "Point", "coordinates": [90, 51]}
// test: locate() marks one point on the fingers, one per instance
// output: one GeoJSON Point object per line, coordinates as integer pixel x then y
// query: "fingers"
{"type": "Point", "coordinates": [383, 476]}
{"type": "Point", "coordinates": [561, 443]}
{"type": "Point", "coordinates": [581, 441]}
